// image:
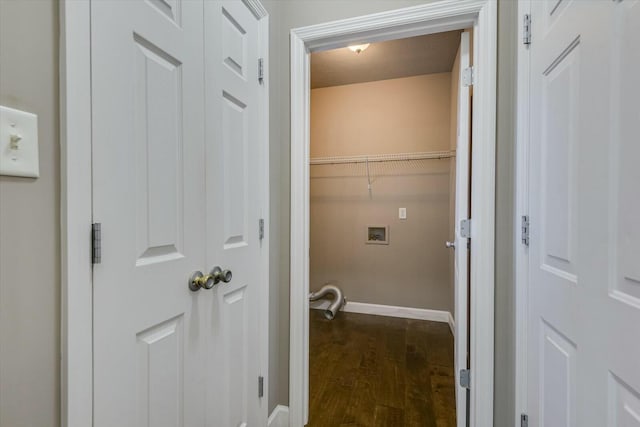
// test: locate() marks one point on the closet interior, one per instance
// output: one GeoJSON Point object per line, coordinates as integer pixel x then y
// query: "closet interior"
{"type": "Point", "coordinates": [382, 165]}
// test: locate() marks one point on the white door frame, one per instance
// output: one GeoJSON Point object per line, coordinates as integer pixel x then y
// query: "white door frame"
{"type": "Point", "coordinates": [76, 329]}
{"type": "Point", "coordinates": [521, 209]}
{"type": "Point", "coordinates": [424, 19]}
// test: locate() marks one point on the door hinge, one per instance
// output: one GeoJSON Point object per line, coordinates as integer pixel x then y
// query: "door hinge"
{"type": "Point", "coordinates": [526, 29]}
{"type": "Point", "coordinates": [468, 76]}
{"type": "Point", "coordinates": [260, 386]}
{"type": "Point", "coordinates": [524, 420]}
{"type": "Point", "coordinates": [260, 70]}
{"type": "Point", "coordinates": [525, 230]}
{"type": "Point", "coordinates": [465, 228]}
{"type": "Point", "coordinates": [465, 378]}
{"type": "Point", "coordinates": [261, 228]}
{"type": "Point", "coordinates": [96, 243]}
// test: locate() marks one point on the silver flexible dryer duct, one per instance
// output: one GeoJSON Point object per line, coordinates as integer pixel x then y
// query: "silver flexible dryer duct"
{"type": "Point", "coordinates": [338, 299]}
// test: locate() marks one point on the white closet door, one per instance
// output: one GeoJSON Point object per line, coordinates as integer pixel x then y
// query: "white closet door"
{"type": "Point", "coordinates": [234, 199]}
{"type": "Point", "coordinates": [584, 285]}
{"type": "Point", "coordinates": [462, 213]}
{"type": "Point", "coordinates": [148, 188]}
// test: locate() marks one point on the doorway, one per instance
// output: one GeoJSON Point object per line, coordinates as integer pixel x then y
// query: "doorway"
{"type": "Point", "coordinates": [417, 21]}
{"type": "Point", "coordinates": [386, 118]}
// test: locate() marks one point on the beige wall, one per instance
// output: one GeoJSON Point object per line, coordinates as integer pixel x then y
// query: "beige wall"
{"type": "Point", "coordinates": [453, 136]}
{"type": "Point", "coordinates": [453, 142]}
{"type": "Point", "coordinates": [504, 395]}
{"type": "Point", "coordinates": [453, 91]}
{"type": "Point", "coordinates": [390, 116]}
{"type": "Point", "coordinates": [29, 223]}
{"type": "Point", "coordinates": [286, 15]}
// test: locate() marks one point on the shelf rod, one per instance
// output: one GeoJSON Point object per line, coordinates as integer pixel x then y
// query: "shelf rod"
{"type": "Point", "coordinates": [382, 158]}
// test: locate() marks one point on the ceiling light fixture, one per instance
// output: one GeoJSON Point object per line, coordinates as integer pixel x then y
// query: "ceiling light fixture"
{"type": "Point", "coordinates": [358, 48]}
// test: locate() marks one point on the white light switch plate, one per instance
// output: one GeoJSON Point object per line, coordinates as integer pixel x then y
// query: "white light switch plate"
{"type": "Point", "coordinates": [402, 213]}
{"type": "Point", "coordinates": [18, 143]}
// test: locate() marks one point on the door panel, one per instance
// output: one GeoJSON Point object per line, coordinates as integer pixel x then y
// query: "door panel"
{"type": "Point", "coordinates": [558, 370]}
{"type": "Point", "coordinates": [172, 9]}
{"type": "Point", "coordinates": [584, 256]}
{"type": "Point", "coordinates": [624, 406]}
{"type": "Point", "coordinates": [462, 211]}
{"type": "Point", "coordinates": [234, 310]}
{"type": "Point", "coordinates": [626, 174]}
{"type": "Point", "coordinates": [623, 293]}
{"type": "Point", "coordinates": [234, 200]}
{"type": "Point", "coordinates": [559, 106]}
{"type": "Point", "coordinates": [235, 119]}
{"type": "Point", "coordinates": [148, 187]}
{"type": "Point", "coordinates": [552, 9]}
{"type": "Point", "coordinates": [160, 381]}
{"type": "Point", "coordinates": [158, 138]}
{"type": "Point", "coordinates": [234, 42]}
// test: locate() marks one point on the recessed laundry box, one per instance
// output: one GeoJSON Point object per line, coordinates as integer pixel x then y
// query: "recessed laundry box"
{"type": "Point", "coordinates": [377, 235]}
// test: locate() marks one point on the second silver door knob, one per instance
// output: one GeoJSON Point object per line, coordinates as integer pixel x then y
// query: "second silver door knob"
{"type": "Point", "coordinates": [220, 275]}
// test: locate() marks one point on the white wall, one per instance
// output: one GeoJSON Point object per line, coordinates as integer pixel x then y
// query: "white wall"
{"type": "Point", "coordinates": [29, 223]}
{"type": "Point", "coordinates": [384, 117]}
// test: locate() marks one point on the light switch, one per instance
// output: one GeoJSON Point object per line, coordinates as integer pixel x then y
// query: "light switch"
{"type": "Point", "coordinates": [402, 213]}
{"type": "Point", "coordinates": [18, 143]}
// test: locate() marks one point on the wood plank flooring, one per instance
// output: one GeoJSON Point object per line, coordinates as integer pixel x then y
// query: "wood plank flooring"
{"type": "Point", "coordinates": [379, 371]}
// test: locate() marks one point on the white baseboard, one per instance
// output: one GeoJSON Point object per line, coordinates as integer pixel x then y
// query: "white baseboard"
{"type": "Point", "coordinates": [390, 310]}
{"type": "Point", "coordinates": [452, 324]}
{"type": "Point", "coordinates": [279, 417]}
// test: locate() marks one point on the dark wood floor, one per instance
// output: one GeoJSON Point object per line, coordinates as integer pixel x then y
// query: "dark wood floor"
{"type": "Point", "coordinates": [380, 371]}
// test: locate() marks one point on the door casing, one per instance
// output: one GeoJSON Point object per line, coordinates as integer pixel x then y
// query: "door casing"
{"type": "Point", "coordinates": [76, 328]}
{"type": "Point", "coordinates": [430, 18]}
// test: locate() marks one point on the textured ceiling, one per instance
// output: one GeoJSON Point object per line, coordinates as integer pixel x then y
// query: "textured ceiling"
{"type": "Point", "coordinates": [433, 53]}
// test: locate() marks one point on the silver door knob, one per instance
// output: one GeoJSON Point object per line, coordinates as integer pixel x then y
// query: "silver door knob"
{"type": "Point", "coordinates": [450, 245]}
{"type": "Point", "coordinates": [199, 281]}
{"type": "Point", "coordinates": [220, 275]}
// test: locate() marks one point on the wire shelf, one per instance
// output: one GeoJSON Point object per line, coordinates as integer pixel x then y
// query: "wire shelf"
{"type": "Point", "coordinates": [425, 155]}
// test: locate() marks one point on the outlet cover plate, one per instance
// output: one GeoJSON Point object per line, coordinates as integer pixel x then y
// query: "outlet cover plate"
{"type": "Point", "coordinates": [18, 143]}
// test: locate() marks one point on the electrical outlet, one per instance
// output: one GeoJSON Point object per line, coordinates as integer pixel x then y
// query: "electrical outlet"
{"type": "Point", "coordinates": [402, 213]}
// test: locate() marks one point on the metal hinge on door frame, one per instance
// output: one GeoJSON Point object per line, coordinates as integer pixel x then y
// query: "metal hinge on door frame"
{"type": "Point", "coordinates": [261, 228]}
{"type": "Point", "coordinates": [260, 70]}
{"type": "Point", "coordinates": [465, 378]}
{"type": "Point", "coordinates": [526, 29]}
{"type": "Point", "coordinates": [96, 243]}
{"type": "Point", "coordinates": [260, 386]}
{"type": "Point", "coordinates": [525, 230]}
{"type": "Point", "coordinates": [468, 76]}
{"type": "Point", "coordinates": [465, 228]}
{"type": "Point", "coordinates": [524, 420]}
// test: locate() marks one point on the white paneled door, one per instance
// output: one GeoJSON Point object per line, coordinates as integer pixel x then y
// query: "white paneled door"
{"type": "Point", "coordinates": [463, 151]}
{"type": "Point", "coordinates": [234, 198]}
{"type": "Point", "coordinates": [584, 280]}
{"type": "Point", "coordinates": [176, 188]}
